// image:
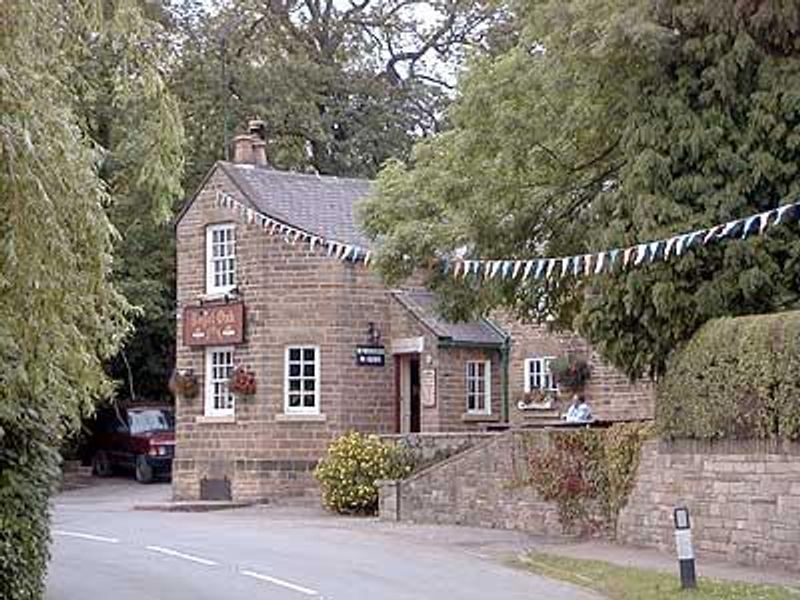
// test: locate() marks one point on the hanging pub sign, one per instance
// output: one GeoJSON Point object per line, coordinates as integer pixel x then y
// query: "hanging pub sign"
{"type": "Point", "coordinates": [214, 325]}
{"type": "Point", "coordinates": [370, 356]}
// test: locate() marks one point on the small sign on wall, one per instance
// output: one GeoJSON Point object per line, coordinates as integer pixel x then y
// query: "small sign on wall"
{"type": "Point", "coordinates": [370, 356]}
{"type": "Point", "coordinates": [427, 380]}
{"type": "Point", "coordinates": [215, 325]}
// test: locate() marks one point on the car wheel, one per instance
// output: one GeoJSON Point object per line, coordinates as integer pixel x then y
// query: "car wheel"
{"type": "Point", "coordinates": [144, 472]}
{"type": "Point", "coordinates": [101, 465]}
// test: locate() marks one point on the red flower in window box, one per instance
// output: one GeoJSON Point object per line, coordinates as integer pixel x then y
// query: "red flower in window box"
{"type": "Point", "coordinates": [243, 381]}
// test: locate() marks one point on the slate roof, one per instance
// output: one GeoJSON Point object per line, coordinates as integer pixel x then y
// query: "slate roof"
{"type": "Point", "coordinates": [423, 305]}
{"type": "Point", "coordinates": [326, 206]}
{"type": "Point", "coordinates": [319, 204]}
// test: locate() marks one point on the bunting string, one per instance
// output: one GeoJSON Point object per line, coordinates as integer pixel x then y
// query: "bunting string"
{"type": "Point", "coordinates": [293, 235]}
{"type": "Point", "coordinates": [579, 266]}
{"type": "Point", "coordinates": [637, 255]}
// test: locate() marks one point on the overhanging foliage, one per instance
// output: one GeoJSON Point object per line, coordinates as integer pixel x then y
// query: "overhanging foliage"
{"type": "Point", "coordinates": [613, 122]}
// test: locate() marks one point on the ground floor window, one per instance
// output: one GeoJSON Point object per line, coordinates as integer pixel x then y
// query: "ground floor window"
{"type": "Point", "coordinates": [302, 379]}
{"type": "Point", "coordinates": [479, 387]}
{"type": "Point", "coordinates": [219, 368]}
{"type": "Point", "coordinates": [538, 375]}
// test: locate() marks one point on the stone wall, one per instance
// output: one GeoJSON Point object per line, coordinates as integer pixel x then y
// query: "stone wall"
{"type": "Point", "coordinates": [743, 497]}
{"type": "Point", "coordinates": [478, 487]}
{"type": "Point", "coordinates": [430, 448]}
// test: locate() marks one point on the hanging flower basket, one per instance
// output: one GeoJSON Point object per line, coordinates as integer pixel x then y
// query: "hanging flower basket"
{"type": "Point", "coordinates": [243, 382]}
{"type": "Point", "coordinates": [184, 384]}
{"type": "Point", "coordinates": [571, 372]}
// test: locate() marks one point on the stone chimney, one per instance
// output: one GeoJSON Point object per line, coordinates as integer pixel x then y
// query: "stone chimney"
{"type": "Point", "coordinates": [251, 147]}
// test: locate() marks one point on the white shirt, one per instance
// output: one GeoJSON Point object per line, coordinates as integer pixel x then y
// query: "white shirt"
{"type": "Point", "coordinates": [579, 413]}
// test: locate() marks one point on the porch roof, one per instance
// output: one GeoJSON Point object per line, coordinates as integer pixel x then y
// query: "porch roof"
{"type": "Point", "coordinates": [423, 305]}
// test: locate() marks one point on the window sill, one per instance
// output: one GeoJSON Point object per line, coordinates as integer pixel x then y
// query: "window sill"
{"type": "Point", "coordinates": [300, 418]}
{"type": "Point", "coordinates": [209, 420]}
{"type": "Point", "coordinates": [479, 417]}
{"type": "Point", "coordinates": [231, 294]}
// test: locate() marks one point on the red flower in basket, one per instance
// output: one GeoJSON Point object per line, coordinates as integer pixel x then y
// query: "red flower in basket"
{"type": "Point", "coordinates": [243, 381]}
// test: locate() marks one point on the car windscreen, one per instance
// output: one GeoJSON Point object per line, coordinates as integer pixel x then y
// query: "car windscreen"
{"type": "Point", "coordinates": [151, 420]}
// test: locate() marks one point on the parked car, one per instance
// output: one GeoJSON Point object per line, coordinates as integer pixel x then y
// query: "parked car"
{"type": "Point", "coordinates": [134, 438]}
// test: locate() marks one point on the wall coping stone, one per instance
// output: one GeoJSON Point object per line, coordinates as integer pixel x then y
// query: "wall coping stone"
{"type": "Point", "coordinates": [728, 446]}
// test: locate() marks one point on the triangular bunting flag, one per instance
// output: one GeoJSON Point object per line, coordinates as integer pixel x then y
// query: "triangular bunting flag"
{"type": "Point", "coordinates": [782, 211]}
{"type": "Point", "coordinates": [612, 258]}
{"type": "Point", "coordinates": [551, 264]}
{"type": "Point", "coordinates": [577, 266]}
{"type": "Point", "coordinates": [565, 265]}
{"type": "Point", "coordinates": [517, 267]}
{"type": "Point", "coordinates": [747, 225]}
{"type": "Point", "coordinates": [598, 267]}
{"type": "Point", "coordinates": [641, 254]}
{"type": "Point", "coordinates": [528, 267]}
{"type": "Point", "coordinates": [587, 262]}
{"type": "Point", "coordinates": [540, 264]}
{"type": "Point", "coordinates": [654, 249]}
{"type": "Point", "coordinates": [763, 221]}
{"type": "Point", "coordinates": [626, 256]}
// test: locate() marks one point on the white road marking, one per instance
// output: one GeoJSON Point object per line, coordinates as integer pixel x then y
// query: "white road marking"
{"type": "Point", "coordinates": [476, 554]}
{"type": "Point", "coordinates": [176, 554]}
{"type": "Point", "coordinates": [86, 536]}
{"type": "Point", "coordinates": [281, 582]}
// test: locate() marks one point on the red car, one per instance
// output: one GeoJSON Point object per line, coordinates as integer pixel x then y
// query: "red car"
{"type": "Point", "coordinates": [138, 439]}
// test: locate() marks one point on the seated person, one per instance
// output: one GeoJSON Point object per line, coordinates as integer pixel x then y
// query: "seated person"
{"type": "Point", "coordinates": [579, 411]}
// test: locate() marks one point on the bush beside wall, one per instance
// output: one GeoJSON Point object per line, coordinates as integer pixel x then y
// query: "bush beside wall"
{"type": "Point", "coordinates": [28, 472]}
{"type": "Point", "coordinates": [738, 378]}
{"type": "Point", "coordinates": [354, 463]}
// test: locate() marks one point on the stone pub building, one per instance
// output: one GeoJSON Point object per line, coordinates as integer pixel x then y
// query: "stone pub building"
{"type": "Point", "coordinates": [331, 347]}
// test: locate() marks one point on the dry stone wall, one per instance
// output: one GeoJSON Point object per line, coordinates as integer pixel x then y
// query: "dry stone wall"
{"type": "Point", "coordinates": [743, 497]}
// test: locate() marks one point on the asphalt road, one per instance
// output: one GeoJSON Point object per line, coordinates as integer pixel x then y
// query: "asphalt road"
{"type": "Point", "coordinates": [104, 549]}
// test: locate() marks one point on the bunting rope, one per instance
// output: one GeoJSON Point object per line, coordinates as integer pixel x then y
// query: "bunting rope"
{"type": "Point", "coordinates": [581, 265]}
{"type": "Point", "coordinates": [585, 265]}
{"type": "Point", "coordinates": [340, 250]}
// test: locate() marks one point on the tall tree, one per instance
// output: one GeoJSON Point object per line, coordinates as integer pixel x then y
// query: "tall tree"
{"type": "Point", "coordinates": [612, 122]}
{"type": "Point", "coordinates": [341, 86]}
{"type": "Point", "coordinates": [60, 315]}
{"type": "Point", "coordinates": [126, 107]}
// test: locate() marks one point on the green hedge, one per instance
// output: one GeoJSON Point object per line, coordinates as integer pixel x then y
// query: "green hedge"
{"type": "Point", "coordinates": [28, 471]}
{"type": "Point", "coordinates": [737, 378]}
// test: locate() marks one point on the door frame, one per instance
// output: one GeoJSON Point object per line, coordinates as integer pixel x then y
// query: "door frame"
{"type": "Point", "coordinates": [404, 396]}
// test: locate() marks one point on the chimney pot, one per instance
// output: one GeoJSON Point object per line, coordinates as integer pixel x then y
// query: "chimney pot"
{"type": "Point", "coordinates": [243, 149]}
{"type": "Point", "coordinates": [259, 152]}
{"type": "Point", "coordinates": [257, 128]}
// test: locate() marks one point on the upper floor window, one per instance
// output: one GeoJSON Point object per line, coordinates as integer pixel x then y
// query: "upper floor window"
{"type": "Point", "coordinates": [479, 387]}
{"type": "Point", "coordinates": [219, 368]}
{"type": "Point", "coordinates": [220, 258]}
{"type": "Point", "coordinates": [538, 375]}
{"type": "Point", "coordinates": [302, 379]}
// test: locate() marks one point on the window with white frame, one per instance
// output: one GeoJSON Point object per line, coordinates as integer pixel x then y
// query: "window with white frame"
{"type": "Point", "coordinates": [302, 379]}
{"type": "Point", "coordinates": [538, 375]}
{"type": "Point", "coordinates": [220, 258]}
{"type": "Point", "coordinates": [479, 384]}
{"type": "Point", "coordinates": [219, 368]}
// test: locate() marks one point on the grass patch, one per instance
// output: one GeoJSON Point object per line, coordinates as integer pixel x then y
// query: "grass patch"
{"type": "Point", "coordinates": [629, 583]}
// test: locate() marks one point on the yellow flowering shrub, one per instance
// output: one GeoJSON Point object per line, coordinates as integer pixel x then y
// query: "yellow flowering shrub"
{"type": "Point", "coordinates": [354, 462]}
